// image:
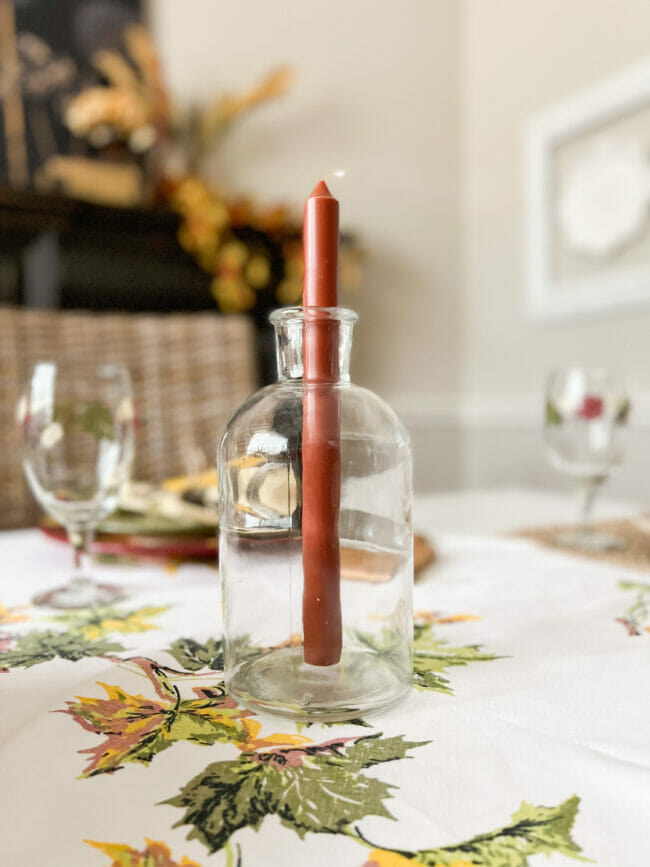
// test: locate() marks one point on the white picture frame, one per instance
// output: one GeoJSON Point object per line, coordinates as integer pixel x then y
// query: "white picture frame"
{"type": "Point", "coordinates": [548, 298]}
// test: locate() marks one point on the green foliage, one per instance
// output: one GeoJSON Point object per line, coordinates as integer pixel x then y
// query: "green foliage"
{"type": "Point", "coordinates": [94, 418]}
{"type": "Point", "coordinates": [317, 788]}
{"type": "Point", "coordinates": [432, 656]}
{"type": "Point", "coordinates": [98, 421]}
{"type": "Point", "coordinates": [532, 831]}
{"type": "Point", "coordinates": [623, 411]}
{"type": "Point", "coordinates": [634, 585]}
{"type": "Point", "coordinates": [194, 656]}
{"type": "Point", "coordinates": [553, 417]}
{"type": "Point", "coordinates": [374, 750]}
{"type": "Point", "coordinates": [41, 646]}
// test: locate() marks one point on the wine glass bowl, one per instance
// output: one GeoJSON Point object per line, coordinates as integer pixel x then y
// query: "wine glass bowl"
{"type": "Point", "coordinates": [77, 433]}
{"type": "Point", "coordinates": [585, 418]}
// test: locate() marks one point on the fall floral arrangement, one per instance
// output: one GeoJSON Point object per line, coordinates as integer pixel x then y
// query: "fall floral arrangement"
{"type": "Point", "coordinates": [252, 254]}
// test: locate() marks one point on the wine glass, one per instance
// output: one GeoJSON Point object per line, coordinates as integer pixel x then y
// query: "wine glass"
{"type": "Point", "coordinates": [586, 411]}
{"type": "Point", "coordinates": [77, 434]}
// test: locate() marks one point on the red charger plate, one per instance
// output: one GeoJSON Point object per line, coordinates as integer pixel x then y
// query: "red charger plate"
{"type": "Point", "coordinates": [145, 547]}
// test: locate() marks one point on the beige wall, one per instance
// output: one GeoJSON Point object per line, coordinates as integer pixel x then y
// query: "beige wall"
{"type": "Point", "coordinates": [376, 95]}
{"type": "Point", "coordinates": [519, 56]}
{"type": "Point", "coordinates": [424, 103]}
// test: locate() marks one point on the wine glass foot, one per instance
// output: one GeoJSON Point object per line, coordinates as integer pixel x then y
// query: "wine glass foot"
{"type": "Point", "coordinates": [80, 593]}
{"type": "Point", "coordinates": [591, 541]}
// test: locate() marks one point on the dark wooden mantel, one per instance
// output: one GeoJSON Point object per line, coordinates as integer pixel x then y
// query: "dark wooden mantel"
{"type": "Point", "coordinates": [59, 252]}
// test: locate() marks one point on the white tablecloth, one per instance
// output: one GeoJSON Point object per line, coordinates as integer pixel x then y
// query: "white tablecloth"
{"type": "Point", "coordinates": [528, 732]}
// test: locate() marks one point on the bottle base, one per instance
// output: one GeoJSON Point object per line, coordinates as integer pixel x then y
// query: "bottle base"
{"type": "Point", "coordinates": [282, 683]}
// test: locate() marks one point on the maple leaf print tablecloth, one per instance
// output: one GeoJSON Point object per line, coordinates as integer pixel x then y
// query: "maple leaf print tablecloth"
{"type": "Point", "coordinates": [525, 734]}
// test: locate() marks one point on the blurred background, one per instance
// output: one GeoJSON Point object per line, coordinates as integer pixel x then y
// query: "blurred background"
{"type": "Point", "coordinates": [491, 158]}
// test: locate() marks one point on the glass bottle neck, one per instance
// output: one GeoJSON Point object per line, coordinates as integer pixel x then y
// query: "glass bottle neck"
{"type": "Point", "coordinates": [313, 344]}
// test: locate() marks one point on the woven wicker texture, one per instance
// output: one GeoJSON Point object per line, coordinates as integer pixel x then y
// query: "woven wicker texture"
{"type": "Point", "coordinates": [635, 553]}
{"type": "Point", "coordinates": [189, 373]}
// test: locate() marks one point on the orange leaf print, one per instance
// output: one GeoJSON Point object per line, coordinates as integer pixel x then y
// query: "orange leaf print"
{"type": "Point", "coordinates": [429, 618]}
{"type": "Point", "coordinates": [385, 858]}
{"type": "Point", "coordinates": [137, 727]}
{"type": "Point", "coordinates": [12, 615]}
{"type": "Point", "coordinates": [155, 854]}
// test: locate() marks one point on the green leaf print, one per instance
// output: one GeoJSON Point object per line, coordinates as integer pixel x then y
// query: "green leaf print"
{"type": "Point", "coordinates": [325, 799]}
{"type": "Point", "coordinates": [41, 646]}
{"type": "Point", "coordinates": [98, 421]}
{"type": "Point", "coordinates": [636, 618]}
{"type": "Point", "coordinates": [553, 417]}
{"type": "Point", "coordinates": [623, 411]}
{"type": "Point", "coordinates": [432, 656]}
{"type": "Point", "coordinates": [194, 656]}
{"type": "Point", "coordinates": [105, 619]}
{"type": "Point", "coordinates": [94, 418]}
{"type": "Point", "coordinates": [225, 797]}
{"type": "Point", "coordinates": [375, 750]}
{"type": "Point", "coordinates": [532, 831]}
{"type": "Point", "coordinates": [317, 788]}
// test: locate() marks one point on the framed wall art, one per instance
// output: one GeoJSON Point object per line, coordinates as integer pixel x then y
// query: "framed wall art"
{"type": "Point", "coordinates": [587, 200]}
{"type": "Point", "coordinates": [46, 51]}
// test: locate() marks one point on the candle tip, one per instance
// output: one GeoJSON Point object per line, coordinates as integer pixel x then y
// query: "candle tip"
{"type": "Point", "coordinates": [321, 191]}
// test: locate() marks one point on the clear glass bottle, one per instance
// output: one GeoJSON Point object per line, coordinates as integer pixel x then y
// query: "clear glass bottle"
{"type": "Point", "coordinates": [260, 547]}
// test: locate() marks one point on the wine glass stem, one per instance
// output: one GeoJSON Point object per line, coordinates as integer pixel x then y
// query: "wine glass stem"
{"type": "Point", "coordinates": [588, 494]}
{"type": "Point", "coordinates": [80, 537]}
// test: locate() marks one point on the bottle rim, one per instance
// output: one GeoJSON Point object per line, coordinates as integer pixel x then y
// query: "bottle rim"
{"type": "Point", "coordinates": [333, 314]}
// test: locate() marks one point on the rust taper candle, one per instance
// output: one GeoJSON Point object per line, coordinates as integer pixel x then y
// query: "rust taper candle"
{"type": "Point", "coordinates": [321, 453]}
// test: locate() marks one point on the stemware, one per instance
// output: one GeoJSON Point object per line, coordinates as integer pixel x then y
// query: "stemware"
{"type": "Point", "coordinates": [586, 412]}
{"type": "Point", "coordinates": [77, 432]}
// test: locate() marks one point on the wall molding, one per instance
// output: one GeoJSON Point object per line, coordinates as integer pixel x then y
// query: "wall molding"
{"type": "Point", "coordinates": [498, 411]}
